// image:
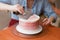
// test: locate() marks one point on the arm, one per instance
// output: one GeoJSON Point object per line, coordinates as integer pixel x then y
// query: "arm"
{"type": "Point", "coordinates": [5, 7]}
{"type": "Point", "coordinates": [11, 7]}
{"type": "Point", "coordinates": [48, 11]}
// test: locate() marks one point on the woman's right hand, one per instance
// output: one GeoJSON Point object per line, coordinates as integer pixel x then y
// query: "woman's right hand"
{"type": "Point", "coordinates": [18, 8]}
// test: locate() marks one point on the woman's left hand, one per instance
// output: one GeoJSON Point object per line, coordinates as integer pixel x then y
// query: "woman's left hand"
{"type": "Point", "coordinates": [48, 21]}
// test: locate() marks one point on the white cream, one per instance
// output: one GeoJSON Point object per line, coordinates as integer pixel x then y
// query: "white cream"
{"type": "Point", "coordinates": [30, 20]}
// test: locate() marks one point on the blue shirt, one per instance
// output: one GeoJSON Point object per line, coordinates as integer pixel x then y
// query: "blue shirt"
{"type": "Point", "coordinates": [37, 7]}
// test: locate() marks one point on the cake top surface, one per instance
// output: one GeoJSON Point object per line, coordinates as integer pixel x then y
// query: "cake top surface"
{"type": "Point", "coordinates": [32, 18]}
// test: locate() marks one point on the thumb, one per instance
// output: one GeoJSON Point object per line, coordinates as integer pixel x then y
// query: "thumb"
{"type": "Point", "coordinates": [44, 19]}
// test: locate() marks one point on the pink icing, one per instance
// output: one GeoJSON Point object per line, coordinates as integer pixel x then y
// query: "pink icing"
{"type": "Point", "coordinates": [30, 25]}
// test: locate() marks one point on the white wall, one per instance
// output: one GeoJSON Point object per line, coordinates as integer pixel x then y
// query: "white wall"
{"type": "Point", "coordinates": [4, 19]}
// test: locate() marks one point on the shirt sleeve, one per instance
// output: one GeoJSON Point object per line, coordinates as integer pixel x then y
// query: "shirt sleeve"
{"type": "Point", "coordinates": [48, 11]}
{"type": "Point", "coordinates": [6, 1]}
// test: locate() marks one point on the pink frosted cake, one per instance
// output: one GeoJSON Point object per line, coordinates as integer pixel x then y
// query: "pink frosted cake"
{"type": "Point", "coordinates": [31, 23]}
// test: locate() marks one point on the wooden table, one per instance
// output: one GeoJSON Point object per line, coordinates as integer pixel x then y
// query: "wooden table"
{"type": "Point", "coordinates": [49, 33]}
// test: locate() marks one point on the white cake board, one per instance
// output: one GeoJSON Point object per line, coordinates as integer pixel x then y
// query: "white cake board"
{"type": "Point", "coordinates": [29, 32]}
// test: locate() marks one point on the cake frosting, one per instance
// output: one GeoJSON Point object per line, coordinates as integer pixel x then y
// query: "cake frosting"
{"type": "Point", "coordinates": [31, 23]}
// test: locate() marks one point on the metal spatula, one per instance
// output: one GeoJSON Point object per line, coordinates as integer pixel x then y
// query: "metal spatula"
{"type": "Point", "coordinates": [25, 15]}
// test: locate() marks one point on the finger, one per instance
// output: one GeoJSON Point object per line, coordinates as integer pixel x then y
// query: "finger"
{"type": "Point", "coordinates": [47, 23]}
{"type": "Point", "coordinates": [44, 23]}
{"type": "Point", "coordinates": [20, 11]}
{"type": "Point", "coordinates": [45, 20]}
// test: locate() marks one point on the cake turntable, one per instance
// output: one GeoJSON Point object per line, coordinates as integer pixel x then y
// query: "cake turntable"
{"type": "Point", "coordinates": [28, 32]}
{"type": "Point", "coordinates": [29, 26]}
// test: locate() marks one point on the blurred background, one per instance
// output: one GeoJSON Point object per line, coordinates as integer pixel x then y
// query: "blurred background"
{"type": "Point", "coordinates": [5, 16]}
{"type": "Point", "coordinates": [56, 7]}
{"type": "Point", "coordinates": [4, 19]}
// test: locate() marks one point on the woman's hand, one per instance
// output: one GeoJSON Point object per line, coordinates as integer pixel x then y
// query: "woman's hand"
{"type": "Point", "coordinates": [13, 8]}
{"type": "Point", "coordinates": [48, 21]}
{"type": "Point", "coordinates": [18, 8]}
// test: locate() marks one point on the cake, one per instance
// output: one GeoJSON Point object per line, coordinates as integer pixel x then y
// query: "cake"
{"type": "Point", "coordinates": [31, 23]}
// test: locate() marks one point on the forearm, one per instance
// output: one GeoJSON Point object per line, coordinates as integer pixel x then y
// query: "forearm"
{"type": "Point", "coordinates": [5, 7]}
